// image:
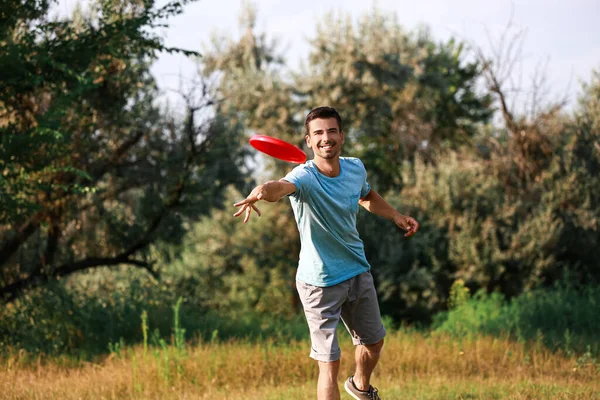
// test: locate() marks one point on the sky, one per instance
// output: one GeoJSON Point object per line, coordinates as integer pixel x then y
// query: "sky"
{"type": "Point", "coordinates": [563, 35]}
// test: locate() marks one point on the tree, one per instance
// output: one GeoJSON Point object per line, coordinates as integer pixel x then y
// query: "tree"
{"type": "Point", "coordinates": [500, 207]}
{"type": "Point", "coordinates": [93, 172]}
{"type": "Point", "coordinates": [401, 94]}
{"type": "Point", "coordinates": [251, 78]}
{"type": "Point", "coordinates": [517, 211]}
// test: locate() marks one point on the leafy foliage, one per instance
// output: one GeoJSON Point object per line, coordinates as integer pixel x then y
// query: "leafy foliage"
{"type": "Point", "coordinates": [401, 94]}
{"type": "Point", "coordinates": [491, 199]}
{"type": "Point", "coordinates": [99, 310]}
{"type": "Point", "coordinates": [94, 174]}
{"type": "Point", "coordinates": [93, 171]}
{"type": "Point", "coordinates": [388, 79]}
{"type": "Point", "coordinates": [494, 233]}
{"type": "Point", "coordinates": [251, 79]}
{"type": "Point", "coordinates": [241, 269]}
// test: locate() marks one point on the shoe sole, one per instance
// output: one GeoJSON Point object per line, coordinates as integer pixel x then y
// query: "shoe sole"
{"type": "Point", "coordinates": [349, 391]}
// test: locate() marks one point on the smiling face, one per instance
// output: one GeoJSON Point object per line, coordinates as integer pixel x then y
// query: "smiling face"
{"type": "Point", "coordinates": [325, 138]}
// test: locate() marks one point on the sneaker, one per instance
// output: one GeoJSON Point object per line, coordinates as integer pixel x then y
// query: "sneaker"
{"type": "Point", "coordinates": [371, 394]}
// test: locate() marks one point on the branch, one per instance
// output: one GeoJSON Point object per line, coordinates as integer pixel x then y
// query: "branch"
{"type": "Point", "coordinates": [121, 150]}
{"type": "Point", "coordinates": [147, 239]}
{"type": "Point", "coordinates": [54, 234]}
{"type": "Point", "coordinates": [23, 233]}
{"type": "Point", "coordinates": [92, 262]}
{"type": "Point", "coordinates": [11, 292]}
{"type": "Point", "coordinates": [27, 229]}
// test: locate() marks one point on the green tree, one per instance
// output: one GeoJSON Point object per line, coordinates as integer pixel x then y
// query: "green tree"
{"type": "Point", "coordinates": [252, 78]}
{"type": "Point", "coordinates": [93, 172]}
{"type": "Point", "coordinates": [401, 93]}
{"type": "Point", "coordinates": [510, 219]}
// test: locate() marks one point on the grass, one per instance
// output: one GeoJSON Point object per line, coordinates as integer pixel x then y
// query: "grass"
{"type": "Point", "coordinates": [415, 365]}
{"type": "Point", "coordinates": [539, 346]}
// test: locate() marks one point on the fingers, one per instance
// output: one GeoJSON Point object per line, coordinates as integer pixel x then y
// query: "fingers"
{"type": "Point", "coordinates": [247, 208]}
{"type": "Point", "coordinates": [248, 212]}
{"type": "Point", "coordinates": [253, 197]}
{"type": "Point", "coordinates": [247, 205]}
{"type": "Point", "coordinates": [412, 226]}
{"type": "Point", "coordinates": [240, 211]}
{"type": "Point", "coordinates": [247, 200]}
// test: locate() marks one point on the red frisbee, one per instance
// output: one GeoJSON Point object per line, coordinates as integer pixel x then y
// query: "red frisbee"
{"type": "Point", "coordinates": [278, 148]}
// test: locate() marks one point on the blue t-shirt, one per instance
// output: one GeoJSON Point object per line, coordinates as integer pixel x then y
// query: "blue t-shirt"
{"type": "Point", "coordinates": [325, 209]}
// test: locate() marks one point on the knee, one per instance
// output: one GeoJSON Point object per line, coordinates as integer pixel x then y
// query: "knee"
{"type": "Point", "coordinates": [329, 365]}
{"type": "Point", "coordinates": [375, 347]}
{"type": "Point", "coordinates": [329, 368]}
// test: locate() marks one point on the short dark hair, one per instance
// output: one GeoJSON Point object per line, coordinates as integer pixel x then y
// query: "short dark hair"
{"type": "Point", "coordinates": [322, 113]}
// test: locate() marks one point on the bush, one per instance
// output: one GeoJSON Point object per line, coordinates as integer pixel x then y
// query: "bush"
{"type": "Point", "coordinates": [91, 313]}
{"type": "Point", "coordinates": [563, 317]}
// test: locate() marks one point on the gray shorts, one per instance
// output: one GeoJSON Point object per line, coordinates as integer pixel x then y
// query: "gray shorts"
{"type": "Point", "coordinates": [354, 301]}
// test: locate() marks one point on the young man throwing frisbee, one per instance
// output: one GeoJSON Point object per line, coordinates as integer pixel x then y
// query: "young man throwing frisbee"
{"type": "Point", "coordinates": [333, 279]}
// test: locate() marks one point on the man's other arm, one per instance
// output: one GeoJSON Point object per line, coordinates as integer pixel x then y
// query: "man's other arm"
{"type": "Point", "coordinates": [375, 204]}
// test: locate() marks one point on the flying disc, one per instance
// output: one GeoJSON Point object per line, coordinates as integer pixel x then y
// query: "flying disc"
{"type": "Point", "coordinates": [278, 148]}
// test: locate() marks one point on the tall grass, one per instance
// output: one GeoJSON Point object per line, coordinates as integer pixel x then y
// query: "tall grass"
{"type": "Point", "coordinates": [414, 365]}
{"type": "Point", "coordinates": [457, 360]}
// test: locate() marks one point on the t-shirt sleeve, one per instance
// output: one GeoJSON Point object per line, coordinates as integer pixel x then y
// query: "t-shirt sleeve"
{"type": "Point", "coordinates": [300, 177]}
{"type": "Point", "coordinates": [366, 188]}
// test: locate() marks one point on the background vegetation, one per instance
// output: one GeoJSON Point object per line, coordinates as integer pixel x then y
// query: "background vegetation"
{"type": "Point", "coordinates": [113, 210]}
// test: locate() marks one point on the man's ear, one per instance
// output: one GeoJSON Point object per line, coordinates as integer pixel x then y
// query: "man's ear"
{"type": "Point", "coordinates": [342, 134]}
{"type": "Point", "coordinates": [307, 138]}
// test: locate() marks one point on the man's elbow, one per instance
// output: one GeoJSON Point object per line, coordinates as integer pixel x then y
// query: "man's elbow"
{"type": "Point", "coordinates": [365, 200]}
{"type": "Point", "coordinates": [367, 196]}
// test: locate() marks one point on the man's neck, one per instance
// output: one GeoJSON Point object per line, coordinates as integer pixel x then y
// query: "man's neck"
{"type": "Point", "coordinates": [330, 168]}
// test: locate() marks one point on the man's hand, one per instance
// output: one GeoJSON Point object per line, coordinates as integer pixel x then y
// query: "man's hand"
{"type": "Point", "coordinates": [247, 205]}
{"type": "Point", "coordinates": [409, 224]}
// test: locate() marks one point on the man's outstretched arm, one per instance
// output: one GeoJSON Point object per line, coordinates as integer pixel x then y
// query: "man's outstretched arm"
{"type": "Point", "coordinates": [375, 204]}
{"type": "Point", "coordinates": [270, 191]}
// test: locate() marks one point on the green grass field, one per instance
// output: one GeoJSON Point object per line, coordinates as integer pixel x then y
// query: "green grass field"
{"type": "Point", "coordinates": [414, 366]}
{"type": "Point", "coordinates": [538, 346]}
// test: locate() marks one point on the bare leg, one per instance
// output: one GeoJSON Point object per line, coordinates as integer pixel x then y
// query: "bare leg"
{"type": "Point", "coordinates": [327, 387]}
{"type": "Point", "coordinates": [366, 358]}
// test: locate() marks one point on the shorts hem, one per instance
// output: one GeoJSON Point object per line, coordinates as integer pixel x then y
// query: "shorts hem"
{"type": "Point", "coordinates": [371, 340]}
{"type": "Point", "coordinates": [325, 357]}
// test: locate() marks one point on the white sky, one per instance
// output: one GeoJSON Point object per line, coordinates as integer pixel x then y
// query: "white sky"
{"type": "Point", "coordinates": [567, 33]}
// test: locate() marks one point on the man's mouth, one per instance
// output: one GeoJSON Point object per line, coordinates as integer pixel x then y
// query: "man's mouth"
{"type": "Point", "coordinates": [327, 147]}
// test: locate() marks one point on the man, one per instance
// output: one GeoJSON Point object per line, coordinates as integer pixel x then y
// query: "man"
{"type": "Point", "coordinates": [333, 278]}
